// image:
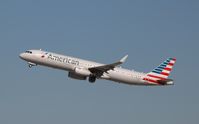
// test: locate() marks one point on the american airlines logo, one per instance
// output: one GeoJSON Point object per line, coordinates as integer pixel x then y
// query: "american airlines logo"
{"type": "Point", "coordinates": [63, 59]}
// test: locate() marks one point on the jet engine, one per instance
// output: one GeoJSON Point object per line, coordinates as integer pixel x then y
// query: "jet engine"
{"type": "Point", "coordinates": [79, 73]}
{"type": "Point", "coordinates": [82, 71]}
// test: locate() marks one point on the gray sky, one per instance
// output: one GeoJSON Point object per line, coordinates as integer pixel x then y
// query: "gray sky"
{"type": "Point", "coordinates": [104, 31]}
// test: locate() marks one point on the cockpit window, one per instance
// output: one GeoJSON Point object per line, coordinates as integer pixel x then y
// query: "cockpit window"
{"type": "Point", "coordinates": [29, 52]}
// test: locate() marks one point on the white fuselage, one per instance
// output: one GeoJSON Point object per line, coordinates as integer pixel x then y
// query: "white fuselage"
{"type": "Point", "coordinates": [67, 63]}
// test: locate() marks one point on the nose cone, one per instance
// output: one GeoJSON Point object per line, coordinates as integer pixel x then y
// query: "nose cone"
{"type": "Point", "coordinates": [21, 55]}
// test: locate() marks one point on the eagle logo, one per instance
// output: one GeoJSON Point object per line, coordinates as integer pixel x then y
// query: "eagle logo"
{"type": "Point", "coordinates": [43, 56]}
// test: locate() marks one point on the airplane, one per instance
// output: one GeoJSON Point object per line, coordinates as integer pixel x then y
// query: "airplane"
{"type": "Point", "coordinates": [83, 69]}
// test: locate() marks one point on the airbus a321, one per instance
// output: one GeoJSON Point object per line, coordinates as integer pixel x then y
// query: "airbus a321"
{"type": "Point", "coordinates": [83, 69]}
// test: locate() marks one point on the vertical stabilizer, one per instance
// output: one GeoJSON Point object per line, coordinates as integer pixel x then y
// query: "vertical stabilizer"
{"type": "Point", "coordinates": [160, 74]}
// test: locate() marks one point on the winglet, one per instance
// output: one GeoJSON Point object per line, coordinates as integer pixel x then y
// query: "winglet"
{"type": "Point", "coordinates": [124, 59]}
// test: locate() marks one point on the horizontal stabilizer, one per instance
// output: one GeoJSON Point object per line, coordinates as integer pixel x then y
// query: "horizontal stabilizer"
{"type": "Point", "coordinates": [165, 82]}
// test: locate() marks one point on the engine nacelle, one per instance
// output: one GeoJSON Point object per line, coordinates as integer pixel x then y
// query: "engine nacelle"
{"type": "Point", "coordinates": [79, 73]}
{"type": "Point", "coordinates": [82, 71]}
{"type": "Point", "coordinates": [76, 76]}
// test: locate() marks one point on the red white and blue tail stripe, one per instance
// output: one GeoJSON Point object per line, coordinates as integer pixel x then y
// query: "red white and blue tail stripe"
{"type": "Point", "coordinates": [160, 74]}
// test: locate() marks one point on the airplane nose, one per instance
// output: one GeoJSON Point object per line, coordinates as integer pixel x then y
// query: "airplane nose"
{"type": "Point", "coordinates": [21, 55]}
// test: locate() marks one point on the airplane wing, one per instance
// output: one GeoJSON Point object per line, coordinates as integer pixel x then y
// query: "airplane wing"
{"type": "Point", "coordinates": [99, 70]}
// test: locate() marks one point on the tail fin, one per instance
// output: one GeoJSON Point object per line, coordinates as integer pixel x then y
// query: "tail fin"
{"type": "Point", "coordinates": [161, 73]}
